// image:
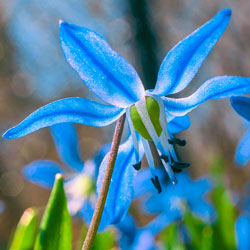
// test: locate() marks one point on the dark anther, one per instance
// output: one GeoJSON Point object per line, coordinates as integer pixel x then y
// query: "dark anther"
{"type": "Point", "coordinates": [177, 141]}
{"type": "Point", "coordinates": [177, 167]}
{"type": "Point", "coordinates": [165, 158]}
{"type": "Point", "coordinates": [180, 165]}
{"type": "Point", "coordinates": [176, 170]}
{"type": "Point", "coordinates": [137, 166]}
{"type": "Point", "coordinates": [157, 184]}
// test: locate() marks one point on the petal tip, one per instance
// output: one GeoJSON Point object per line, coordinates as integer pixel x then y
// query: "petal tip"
{"type": "Point", "coordinates": [226, 12]}
{"type": "Point", "coordinates": [61, 22]}
{"type": "Point", "coordinates": [6, 134]}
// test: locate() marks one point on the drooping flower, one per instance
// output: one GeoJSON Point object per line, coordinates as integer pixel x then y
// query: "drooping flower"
{"type": "Point", "coordinates": [83, 179]}
{"type": "Point", "coordinates": [170, 205]}
{"type": "Point", "coordinates": [242, 106]}
{"type": "Point", "coordinates": [80, 177]}
{"type": "Point", "coordinates": [115, 81]}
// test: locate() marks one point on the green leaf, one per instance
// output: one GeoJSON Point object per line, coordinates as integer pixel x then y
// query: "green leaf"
{"type": "Point", "coordinates": [55, 230]}
{"type": "Point", "coordinates": [24, 236]}
{"type": "Point", "coordinates": [104, 241]}
{"type": "Point", "coordinates": [200, 233]}
{"type": "Point", "coordinates": [171, 238]}
{"type": "Point", "coordinates": [224, 230]}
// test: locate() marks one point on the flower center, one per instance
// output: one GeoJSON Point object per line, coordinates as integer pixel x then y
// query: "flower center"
{"type": "Point", "coordinates": [153, 111]}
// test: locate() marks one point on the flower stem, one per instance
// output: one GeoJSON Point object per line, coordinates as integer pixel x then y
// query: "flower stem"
{"type": "Point", "coordinates": [92, 230]}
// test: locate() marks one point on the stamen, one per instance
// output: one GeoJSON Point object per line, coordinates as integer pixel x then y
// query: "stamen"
{"type": "Point", "coordinates": [157, 184]}
{"type": "Point", "coordinates": [176, 170]}
{"type": "Point", "coordinates": [177, 141]}
{"type": "Point", "coordinates": [148, 155]}
{"type": "Point", "coordinates": [170, 172]}
{"type": "Point", "coordinates": [180, 165]}
{"type": "Point", "coordinates": [165, 158]}
{"type": "Point", "coordinates": [137, 166]}
{"type": "Point", "coordinates": [132, 131]}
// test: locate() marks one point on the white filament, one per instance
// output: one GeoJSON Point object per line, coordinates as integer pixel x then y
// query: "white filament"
{"type": "Point", "coordinates": [134, 138]}
{"type": "Point", "coordinates": [149, 156]}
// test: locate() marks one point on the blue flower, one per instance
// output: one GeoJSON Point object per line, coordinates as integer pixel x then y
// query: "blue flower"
{"type": "Point", "coordinates": [115, 82]}
{"type": "Point", "coordinates": [242, 230]}
{"type": "Point", "coordinates": [133, 238]}
{"type": "Point", "coordinates": [79, 177]}
{"type": "Point", "coordinates": [242, 106]}
{"type": "Point", "coordinates": [170, 205]}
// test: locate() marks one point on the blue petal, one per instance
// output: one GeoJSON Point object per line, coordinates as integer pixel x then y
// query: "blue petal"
{"type": "Point", "coordinates": [204, 210]}
{"type": "Point", "coordinates": [162, 221]}
{"type": "Point", "coordinates": [214, 88]}
{"type": "Point", "coordinates": [42, 172]}
{"type": "Point", "coordinates": [143, 184]}
{"type": "Point", "coordinates": [87, 211]}
{"type": "Point", "coordinates": [144, 240]}
{"type": "Point", "coordinates": [179, 124]}
{"type": "Point", "coordinates": [92, 165]}
{"type": "Point", "coordinates": [102, 69]}
{"type": "Point", "coordinates": [242, 155]}
{"type": "Point", "coordinates": [127, 232]}
{"type": "Point", "coordinates": [121, 190]}
{"type": "Point", "coordinates": [242, 233]}
{"type": "Point", "coordinates": [241, 105]}
{"type": "Point", "coordinates": [73, 109]}
{"type": "Point", "coordinates": [183, 61]}
{"type": "Point", "coordinates": [66, 141]}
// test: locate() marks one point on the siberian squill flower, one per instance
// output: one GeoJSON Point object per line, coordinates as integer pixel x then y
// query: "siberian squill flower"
{"type": "Point", "coordinates": [241, 105]}
{"type": "Point", "coordinates": [80, 177]}
{"type": "Point", "coordinates": [170, 205]}
{"type": "Point", "coordinates": [115, 82]}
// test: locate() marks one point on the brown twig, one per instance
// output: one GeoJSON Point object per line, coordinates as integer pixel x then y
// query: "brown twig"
{"type": "Point", "coordinates": [92, 230]}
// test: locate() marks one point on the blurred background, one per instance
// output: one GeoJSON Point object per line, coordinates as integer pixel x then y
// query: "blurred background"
{"type": "Point", "coordinates": [33, 72]}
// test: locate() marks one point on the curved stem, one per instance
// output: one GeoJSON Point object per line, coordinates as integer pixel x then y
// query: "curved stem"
{"type": "Point", "coordinates": [92, 230]}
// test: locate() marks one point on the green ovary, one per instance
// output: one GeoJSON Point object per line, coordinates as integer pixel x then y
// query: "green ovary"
{"type": "Point", "coordinates": [154, 114]}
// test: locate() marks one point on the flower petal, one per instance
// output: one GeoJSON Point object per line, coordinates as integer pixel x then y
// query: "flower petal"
{"type": "Point", "coordinates": [242, 229]}
{"type": "Point", "coordinates": [102, 69]}
{"type": "Point", "coordinates": [42, 172]}
{"type": "Point", "coordinates": [242, 155]}
{"type": "Point", "coordinates": [91, 166]}
{"type": "Point", "coordinates": [87, 211]}
{"type": "Point", "coordinates": [179, 124]}
{"type": "Point", "coordinates": [144, 240]}
{"type": "Point", "coordinates": [121, 190]}
{"type": "Point", "coordinates": [127, 232]}
{"type": "Point", "coordinates": [73, 109]}
{"type": "Point", "coordinates": [204, 210]}
{"type": "Point", "coordinates": [214, 88]}
{"type": "Point", "coordinates": [65, 137]}
{"type": "Point", "coordinates": [143, 184]}
{"type": "Point", "coordinates": [183, 61]}
{"type": "Point", "coordinates": [241, 105]}
{"type": "Point", "coordinates": [162, 221]}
